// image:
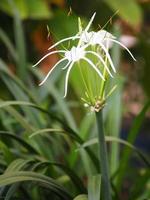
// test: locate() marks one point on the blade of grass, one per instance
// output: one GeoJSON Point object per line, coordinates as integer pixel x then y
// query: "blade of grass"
{"type": "Point", "coordinates": [47, 182]}
{"type": "Point", "coordinates": [81, 197]}
{"type": "Point", "coordinates": [23, 143]}
{"type": "Point", "coordinates": [5, 69]}
{"type": "Point", "coordinates": [58, 98]}
{"type": "Point", "coordinates": [71, 173]}
{"type": "Point", "coordinates": [8, 44]}
{"type": "Point", "coordinates": [20, 43]}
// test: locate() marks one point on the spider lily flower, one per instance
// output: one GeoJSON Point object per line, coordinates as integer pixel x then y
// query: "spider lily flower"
{"type": "Point", "coordinates": [72, 56]}
{"type": "Point", "coordinates": [102, 38]}
{"type": "Point", "coordinates": [95, 94]}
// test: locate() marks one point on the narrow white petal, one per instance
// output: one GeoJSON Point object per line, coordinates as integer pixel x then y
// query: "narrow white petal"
{"type": "Point", "coordinates": [63, 40]}
{"type": "Point", "coordinates": [51, 71]}
{"type": "Point", "coordinates": [108, 56]}
{"type": "Point", "coordinates": [48, 54]}
{"type": "Point", "coordinates": [94, 67]}
{"type": "Point", "coordinates": [123, 47]}
{"type": "Point", "coordinates": [67, 77]}
{"type": "Point", "coordinates": [101, 59]}
{"type": "Point", "coordinates": [90, 22]}
{"type": "Point", "coordinates": [66, 65]}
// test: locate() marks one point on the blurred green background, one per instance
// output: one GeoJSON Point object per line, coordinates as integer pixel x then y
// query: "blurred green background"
{"type": "Point", "coordinates": [40, 131]}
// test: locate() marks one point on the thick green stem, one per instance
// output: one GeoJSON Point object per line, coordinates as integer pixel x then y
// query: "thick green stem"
{"type": "Point", "coordinates": [106, 189]}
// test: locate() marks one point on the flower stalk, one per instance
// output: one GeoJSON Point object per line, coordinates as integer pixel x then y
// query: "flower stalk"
{"type": "Point", "coordinates": [106, 187]}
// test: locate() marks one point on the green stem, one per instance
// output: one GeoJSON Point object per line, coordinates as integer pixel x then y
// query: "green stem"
{"type": "Point", "coordinates": [106, 188]}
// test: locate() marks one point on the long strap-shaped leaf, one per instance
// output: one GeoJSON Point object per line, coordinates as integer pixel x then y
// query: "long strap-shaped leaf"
{"type": "Point", "coordinates": [47, 182]}
{"type": "Point", "coordinates": [71, 173]}
{"type": "Point", "coordinates": [52, 115]}
{"type": "Point", "coordinates": [121, 141]}
{"type": "Point", "coordinates": [131, 139]}
{"type": "Point", "coordinates": [6, 134]}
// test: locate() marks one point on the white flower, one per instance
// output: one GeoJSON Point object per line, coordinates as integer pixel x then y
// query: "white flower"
{"type": "Point", "coordinates": [102, 38]}
{"type": "Point", "coordinates": [75, 54]}
{"type": "Point", "coordinates": [86, 38]}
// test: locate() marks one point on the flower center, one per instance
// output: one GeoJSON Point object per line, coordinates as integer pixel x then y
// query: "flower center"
{"type": "Point", "coordinates": [94, 38]}
{"type": "Point", "coordinates": [75, 54]}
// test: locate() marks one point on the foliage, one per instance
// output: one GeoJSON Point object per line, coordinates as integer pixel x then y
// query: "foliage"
{"type": "Point", "coordinates": [46, 142]}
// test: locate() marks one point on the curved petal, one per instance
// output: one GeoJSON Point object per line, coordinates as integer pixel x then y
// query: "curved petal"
{"type": "Point", "coordinates": [101, 59]}
{"type": "Point", "coordinates": [66, 65]}
{"type": "Point", "coordinates": [51, 71]}
{"type": "Point", "coordinates": [122, 45]}
{"type": "Point", "coordinates": [63, 40]}
{"type": "Point", "coordinates": [94, 67]}
{"type": "Point", "coordinates": [67, 77]}
{"type": "Point", "coordinates": [48, 54]}
{"type": "Point", "coordinates": [108, 56]}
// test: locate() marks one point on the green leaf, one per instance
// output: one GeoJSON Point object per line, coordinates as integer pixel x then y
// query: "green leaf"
{"type": "Point", "coordinates": [4, 38]}
{"type": "Point", "coordinates": [143, 179]}
{"type": "Point", "coordinates": [8, 135]}
{"type": "Point", "coordinates": [8, 157]}
{"type": "Point", "coordinates": [114, 105]}
{"type": "Point", "coordinates": [35, 9]}
{"type": "Point", "coordinates": [18, 165]}
{"type": "Point", "coordinates": [49, 86]}
{"type": "Point", "coordinates": [23, 122]}
{"type": "Point", "coordinates": [81, 197]}
{"type": "Point", "coordinates": [131, 139]}
{"type": "Point", "coordinates": [71, 173]}
{"type": "Point", "coordinates": [47, 182]}
{"type": "Point", "coordinates": [65, 125]}
{"type": "Point", "coordinates": [94, 187]}
{"type": "Point", "coordinates": [121, 141]}
{"type": "Point", "coordinates": [20, 44]}
{"type": "Point", "coordinates": [48, 130]}
{"type": "Point", "coordinates": [5, 70]}
{"type": "Point", "coordinates": [129, 10]}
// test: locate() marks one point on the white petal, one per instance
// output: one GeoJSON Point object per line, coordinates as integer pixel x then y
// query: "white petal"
{"type": "Point", "coordinates": [67, 77]}
{"type": "Point", "coordinates": [51, 71]}
{"type": "Point", "coordinates": [90, 22]}
{"type": "Point", "coordinates": [63, 40]}
{"type": "Point", "coordinates": [123, 47]}
{"type": "Point", "coordinates": [101, 59]}
{"type": "Point", "coordinates": [108, 56]}
{"type": "Point", "coordinates": [48, 54]}
{"type": "Point", "coordinates": [94, 67]}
